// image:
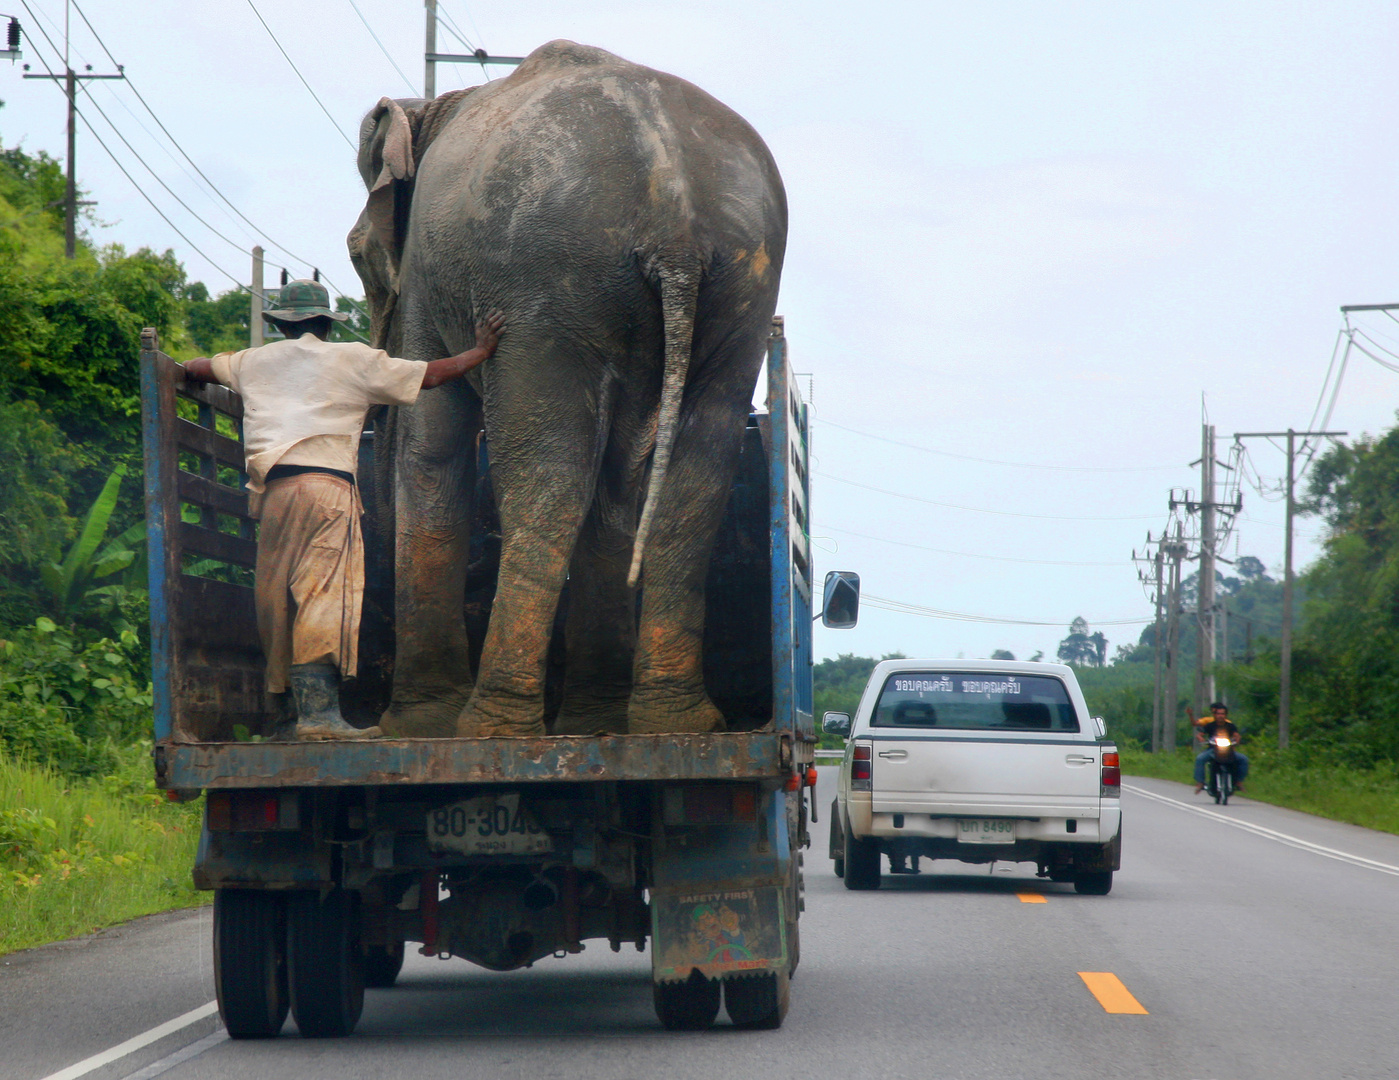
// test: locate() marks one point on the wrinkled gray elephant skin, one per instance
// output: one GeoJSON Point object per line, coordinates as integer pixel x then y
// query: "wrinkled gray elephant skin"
{"type": "Point", "coordinates": [632, 230]}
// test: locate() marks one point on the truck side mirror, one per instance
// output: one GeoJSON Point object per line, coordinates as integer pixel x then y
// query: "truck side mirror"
{"type": "Point", "coordinates": [1100, 727]}
{"type": "Point", "coordinates": [840, 600]}
{"type": "Point", "coordinates": [836, 723]}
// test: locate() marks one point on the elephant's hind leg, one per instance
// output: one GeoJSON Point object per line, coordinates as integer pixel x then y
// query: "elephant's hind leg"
{"type": "Point", "coordinates": [668, 694]}
{"type": "Point", "coordinates": [545, 438]}
{"type": "Point", "coordinates": [601, 626]}
{"type": "Point", "coordinates": [435, 477]}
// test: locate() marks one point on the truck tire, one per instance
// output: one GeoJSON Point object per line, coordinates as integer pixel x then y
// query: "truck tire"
{"type": "Point", "coordinates": [382, 965]}
{"type": "Point", "coordinates": [1093, 882]}
{"type": "Point", "coordinates": [325, 965]}
{"type": "Point", "coordinates": [250, 967]}
{"type": "Point", "coordinates": [687, 1006]}
{"type": "Point", "coordinates": [861, 863]}
{"type": "Point", "coordinates": [758, 1002]}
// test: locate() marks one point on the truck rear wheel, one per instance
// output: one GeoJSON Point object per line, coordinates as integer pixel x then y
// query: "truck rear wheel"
{"type": "Point", "coordinates": [687, 1006]}
{"type": "Point", "coordinates": [861, 863]}
{"type": "Point", "coordinates": [758, 1002]}
{"type": "Point", "coordinates": [325, 965]}
{"type": "Point", "coordinates": [382, 965]}
{"type": "Point", "coordinates": [250, 970]}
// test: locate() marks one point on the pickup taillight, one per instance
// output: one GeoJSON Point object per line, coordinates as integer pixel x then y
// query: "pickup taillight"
{"type": "Point", "coordinates": [861, 767]}
{"type": "Point", "coordinates": [1110, 785]}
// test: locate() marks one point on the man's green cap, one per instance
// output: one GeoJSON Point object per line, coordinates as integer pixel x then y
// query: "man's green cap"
{"type": "Point", "coordinates": [303, 299]}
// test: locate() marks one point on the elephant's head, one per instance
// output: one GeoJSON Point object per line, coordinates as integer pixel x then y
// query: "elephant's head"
{"type": "Point", "coordinates": [393, 137]}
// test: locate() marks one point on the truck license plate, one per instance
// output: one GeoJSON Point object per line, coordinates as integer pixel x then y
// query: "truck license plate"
{"type": "Point", "coordinates": [488, 825]}
{"type": "Point", "coordinates": [985, 831]}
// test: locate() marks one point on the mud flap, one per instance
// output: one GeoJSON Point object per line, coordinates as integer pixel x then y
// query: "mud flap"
{"type": "Point", "coordinates": [1105, 857]}
{"type": "Point", "coordinates": [719, 933]}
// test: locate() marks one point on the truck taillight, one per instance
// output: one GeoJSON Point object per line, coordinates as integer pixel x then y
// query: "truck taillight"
{"type": "Point", "coordinates": [1111, 783]}
{"type": "Point", "coordinates": [709, 804]}
{"type": "Point", "coordinates": [861, 767]}
{"type": "Point", "coordinates": [252, 811]}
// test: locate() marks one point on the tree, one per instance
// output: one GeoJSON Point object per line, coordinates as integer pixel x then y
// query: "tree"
{"type": "Point", "coordinates": [1003, 654]}
{"type": "Point", "coordinates": [1083, 648]}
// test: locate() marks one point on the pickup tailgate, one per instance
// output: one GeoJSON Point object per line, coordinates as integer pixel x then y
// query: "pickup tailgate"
{"type": "Point", "coordinates": [974, 774]}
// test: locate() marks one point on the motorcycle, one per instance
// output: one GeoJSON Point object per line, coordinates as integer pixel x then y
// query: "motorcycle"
{"type": "Point", "coordinates": [1220, 769]}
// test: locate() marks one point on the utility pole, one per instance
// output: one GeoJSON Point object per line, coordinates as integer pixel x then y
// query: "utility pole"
{"type": "Point", "coordinates": [1158, 644]}
{"type": "Point", "coordinates": [255, 316]}
{"type": "Point", "coordinates": [70, 79]}
{"type": "Point", "coordinates": [1157, 711]}
{"type": "Point", "coordinates": [431, 57]}
{"type": "Point", "coordinates": [1204, 641]}
{"type": "Point", "coordinates": [1207, 507]}
{"type": "Point", "coordinates": [1175, 551]}
{"type": "Point", "coordinates": [430, 51]}
{"type": "Point", "coordinates": [1285, 674]}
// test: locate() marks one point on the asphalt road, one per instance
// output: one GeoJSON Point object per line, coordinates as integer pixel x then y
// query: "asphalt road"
{"type": "Point", "coordinates": [1262, 951]}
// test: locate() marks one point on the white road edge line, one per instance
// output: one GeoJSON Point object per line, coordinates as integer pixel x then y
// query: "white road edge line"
{"type": "Point", "coordinates": [1270, 834]}
{"type": "Point", "coordinates": [116, 1053]}
{"type": "Point", "coordinates": [180, 1056]}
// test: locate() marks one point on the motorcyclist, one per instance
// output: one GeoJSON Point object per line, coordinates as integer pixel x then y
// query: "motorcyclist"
{"type": "Point", "coordinates": [1218, 723]}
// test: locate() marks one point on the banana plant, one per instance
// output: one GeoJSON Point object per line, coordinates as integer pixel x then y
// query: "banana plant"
{"type": "Point", "coordinates": [88, 561]}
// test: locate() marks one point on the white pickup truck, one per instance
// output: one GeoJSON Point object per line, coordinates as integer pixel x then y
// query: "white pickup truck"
{"type": "Point", "coordinates": [981, 761]}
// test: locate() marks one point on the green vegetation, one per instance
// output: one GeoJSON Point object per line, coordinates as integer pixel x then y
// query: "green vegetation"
{"type": "Point", "coordinates": [76, 856]}
{"type": "Point", "coordinates": [1329, 788]}
{"type": "Point", "coordinates": [836, 686]}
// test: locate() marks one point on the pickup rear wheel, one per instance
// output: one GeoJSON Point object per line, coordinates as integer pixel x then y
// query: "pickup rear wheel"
{"type": "Point", "coordinates": [837, 845]}
{"type": "Point", "coordinates": [325, 965]}
{"type": "Point", "coordinates": [250, 969]}
{"type": "Point", "coordinates": [687, 1006]}
{"type": "Point", "coordinates": [1093, 882]}
{"type": "Point", "coordinates": [758, 1002]}
{"type": "Point", "coordinates": [861, 863]}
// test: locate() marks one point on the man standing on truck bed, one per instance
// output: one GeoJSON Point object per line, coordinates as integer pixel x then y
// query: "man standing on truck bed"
{"type": "Point", "coordinates": [304, 405]}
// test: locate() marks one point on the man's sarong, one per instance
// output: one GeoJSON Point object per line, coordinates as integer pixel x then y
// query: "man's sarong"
{"type": "Point", "coordinates": [310, 575]}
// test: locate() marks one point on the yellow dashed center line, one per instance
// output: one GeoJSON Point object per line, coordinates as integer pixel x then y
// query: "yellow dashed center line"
{"type": "Point", "coordinates": [1032, 898]}
{"type": "Point", "coordinates": [1111, 994]}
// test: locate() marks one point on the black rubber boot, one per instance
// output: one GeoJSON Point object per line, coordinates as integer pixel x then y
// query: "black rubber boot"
{"type": "Point", "coordinates": [316, 688]}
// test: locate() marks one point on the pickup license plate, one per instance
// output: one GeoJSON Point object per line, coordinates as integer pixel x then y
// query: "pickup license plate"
{"type": "Point", "coordinates": [985, 831]}
{"type": "Point", "coordinates": [488, 825]}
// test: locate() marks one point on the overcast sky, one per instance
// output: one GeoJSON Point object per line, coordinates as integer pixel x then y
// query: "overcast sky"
{"type": "Point", "coordinates": [1043, 234]}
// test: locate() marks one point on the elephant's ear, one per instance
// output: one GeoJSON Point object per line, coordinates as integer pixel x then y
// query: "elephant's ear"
{"type": "Point", "coordinates": [386, 163]}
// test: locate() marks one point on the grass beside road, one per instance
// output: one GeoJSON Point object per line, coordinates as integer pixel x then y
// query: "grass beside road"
{"type": "Point", "coordinates": [1368, 797]}
{"type": "Point", "coordinates": [77, 856]}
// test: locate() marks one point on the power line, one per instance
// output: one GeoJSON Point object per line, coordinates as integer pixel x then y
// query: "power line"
{"type": "Point", "coordinates": [976, 509]}
{"type": "Point", "coordinates": [966, 554]}
{"type": "Point", "coordinates": [411, 88]}
{"type": "Point", "coordinates": [141, 191]}
{"type": "Point", "coordinates": [993, 461]}
{"type": "Point", "coordinates": [301, 76]}
{"type": "Point", "coordinates": [903, 608]}
{"type": "Point", "coordinates": [176, 143]}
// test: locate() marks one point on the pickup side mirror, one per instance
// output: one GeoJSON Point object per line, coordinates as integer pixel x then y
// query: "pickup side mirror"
{"type": "Point", "coordinates": [836, 723]}
{"type": "Point", "coordinates": [1100, 727]}
{"type": "Point", "coordinates": [840, 600]}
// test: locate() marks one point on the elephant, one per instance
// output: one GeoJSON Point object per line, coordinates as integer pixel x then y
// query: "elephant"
{"type": "Point", "coordinates": [632, 230]}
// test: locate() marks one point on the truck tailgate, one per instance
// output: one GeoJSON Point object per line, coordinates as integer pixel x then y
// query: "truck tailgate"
{"type": "Point", "coordinates": [1026, 776]}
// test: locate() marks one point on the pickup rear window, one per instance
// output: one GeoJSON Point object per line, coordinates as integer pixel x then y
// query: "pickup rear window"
{"type": "Point", "coordinates": [974, 700]}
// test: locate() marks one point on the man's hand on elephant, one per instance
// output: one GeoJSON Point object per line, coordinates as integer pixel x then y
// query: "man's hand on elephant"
{"type": "Point", "coordinates": [488, 333]}
{"type": "Point", "coordinates": [454, 367]}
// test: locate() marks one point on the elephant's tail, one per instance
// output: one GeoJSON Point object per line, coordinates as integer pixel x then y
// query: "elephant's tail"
{"type": "Point", "coordinates": [679, 295]}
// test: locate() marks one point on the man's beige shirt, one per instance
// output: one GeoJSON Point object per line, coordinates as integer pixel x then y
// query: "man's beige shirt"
{"type": "Point", "coordinates": [305, 400]}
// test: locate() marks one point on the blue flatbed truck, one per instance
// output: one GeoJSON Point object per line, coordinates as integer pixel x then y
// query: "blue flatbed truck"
{"type": "Point", "coordinates": [326, 858]}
